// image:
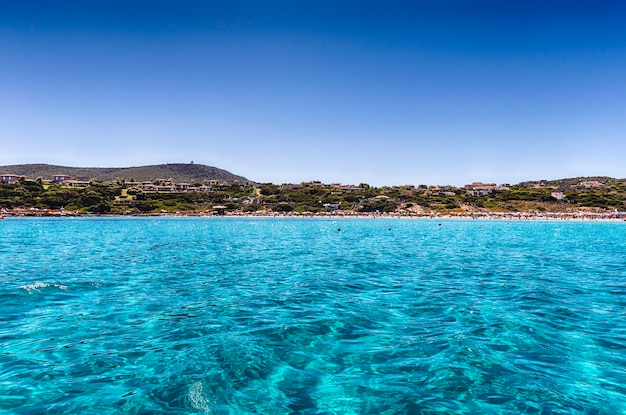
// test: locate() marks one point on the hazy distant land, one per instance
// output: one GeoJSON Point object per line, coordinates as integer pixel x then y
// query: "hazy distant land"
{"type": "Point", "coordinates": [178, 172]}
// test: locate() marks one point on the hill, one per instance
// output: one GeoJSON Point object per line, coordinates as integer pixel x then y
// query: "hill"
{"type": "Point", "coordinates": [178, 172]}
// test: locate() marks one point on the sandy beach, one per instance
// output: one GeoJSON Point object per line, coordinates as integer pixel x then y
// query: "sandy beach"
{"type": "Point", "coordinates": [517, 216]}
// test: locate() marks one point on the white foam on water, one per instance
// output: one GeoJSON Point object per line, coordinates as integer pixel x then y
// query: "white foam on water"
{"type": "Point", "coordinates": [39, 285]}
{"type": "Point", "coordinates": [196, 397]}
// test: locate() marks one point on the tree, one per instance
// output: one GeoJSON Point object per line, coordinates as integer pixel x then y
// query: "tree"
{"type": "Point", "coordinates": [282, 208]}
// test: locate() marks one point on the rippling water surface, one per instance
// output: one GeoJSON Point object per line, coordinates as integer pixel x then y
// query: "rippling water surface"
{"type": "Point", "coordinates": [276, 316]}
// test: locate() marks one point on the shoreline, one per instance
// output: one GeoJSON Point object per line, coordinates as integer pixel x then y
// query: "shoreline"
{"type": "Point", "coordinates": [512, 216]}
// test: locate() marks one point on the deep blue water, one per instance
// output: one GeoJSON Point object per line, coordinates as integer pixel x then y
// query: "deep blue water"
{"type": "Point", "coordinates": [277, 316]}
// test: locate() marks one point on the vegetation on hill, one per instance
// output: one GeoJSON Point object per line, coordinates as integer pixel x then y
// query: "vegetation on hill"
{"type": "Point", "coordinates": [123, 197]}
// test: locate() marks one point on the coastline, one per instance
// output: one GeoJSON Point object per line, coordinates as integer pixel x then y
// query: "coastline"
{"type": "Point", "coordinates": [514, 216]}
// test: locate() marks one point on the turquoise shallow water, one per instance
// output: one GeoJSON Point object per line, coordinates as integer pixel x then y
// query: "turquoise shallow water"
{"type": "Point", "coordinates": [275, 316]}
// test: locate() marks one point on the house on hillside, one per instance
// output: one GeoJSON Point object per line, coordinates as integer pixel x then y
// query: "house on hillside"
{"type": "Point", "coordinates": [349, 188]}
{"type": "Point", "coordinates": [10, 178]}
{"type": "Point", "coordinates": [163, 182]}
{"type": "Point", "coordinates": [149, 187]}
{"type": "Point", "coordinates": [405, 187]}
{"type": "Point", "coordinates": [482, 189]}
{"type": "Point", "coordinates": [313, 183]}
{"type": "Point", "coordinates": [61, 178]}
{"type": "Point", "coordinates": [479, 192]}
{"type": "Point", "coordinates": [246, 201]}
{"type": "Point", "coordinates": [290, 186]}
{"type": "Point", "coordinates": [143, 185]}
{"type": "Point", "coordinates": [76, 183]}
{"type": "Point", "coordinates": [166, 188]}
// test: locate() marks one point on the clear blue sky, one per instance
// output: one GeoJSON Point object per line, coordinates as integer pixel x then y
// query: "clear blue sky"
{"type": "Point", "coordinates": [383, 92]}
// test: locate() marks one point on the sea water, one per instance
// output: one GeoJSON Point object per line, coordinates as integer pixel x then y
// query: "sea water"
{"type": "Point", "coordinates": [308, 316]}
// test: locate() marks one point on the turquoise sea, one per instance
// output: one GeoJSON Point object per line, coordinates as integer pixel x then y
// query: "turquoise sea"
{"type": "Point", "coordinates": [294, 316]}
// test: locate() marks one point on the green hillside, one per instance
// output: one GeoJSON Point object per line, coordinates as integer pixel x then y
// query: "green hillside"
{"type": "Point", "coordinates": [178, 172]}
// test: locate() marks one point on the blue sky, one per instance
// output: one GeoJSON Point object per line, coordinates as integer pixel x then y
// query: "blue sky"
{"type": "Point", "coordinates": [386, 93]}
